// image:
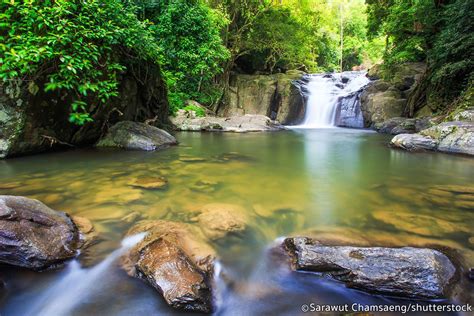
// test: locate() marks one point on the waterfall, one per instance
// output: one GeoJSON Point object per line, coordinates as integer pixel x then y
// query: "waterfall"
{"type": "Point", "coordinates": [77, 284]}
{"type": "Point", "coordinates": [324, 93]}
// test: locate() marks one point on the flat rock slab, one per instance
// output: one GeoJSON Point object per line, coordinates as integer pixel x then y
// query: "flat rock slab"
{"type": "Point", "coordinates": [175, 259]}
{"type": "Point", "coordinates": [137, 136]}
{"type": "Point", "coordinates": [448, 137]}
{"type": "Point", "coordinates": [34, 236]}
{"type": "Point", "coordinates": [237, 124]}
{"type": "Point", "coordinates": [408, 272]}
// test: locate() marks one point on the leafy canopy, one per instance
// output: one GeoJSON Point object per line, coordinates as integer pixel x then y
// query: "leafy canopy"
{"type": "Point", "coordinates": [72, 46]}
{"type": "Point", "coordinates": [191, 51]}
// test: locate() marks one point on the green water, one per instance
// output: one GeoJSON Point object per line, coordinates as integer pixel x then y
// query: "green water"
{"type": "Point", "coordinates": [336, 184]}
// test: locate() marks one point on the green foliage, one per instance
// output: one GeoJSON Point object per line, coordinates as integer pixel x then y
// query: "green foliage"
{"type": "Point", "coordinates": [200, 112]}
{"type": "Point", "coordinates": [303, 34]}
{"type": "Point", "coordinates": [190, 47]}
{"type": "Point", "coordinates": [71, 45]}
{"type": "Point", "coordinates": [277, 40]}
{"type": "Point", "coordinates": [439, 32]}
{"type": "Point", "coordinates": [452, 56]}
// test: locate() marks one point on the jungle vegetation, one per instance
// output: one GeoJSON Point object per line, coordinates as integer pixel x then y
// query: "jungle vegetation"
{"type": "Point", "coordinates": [81, 47]}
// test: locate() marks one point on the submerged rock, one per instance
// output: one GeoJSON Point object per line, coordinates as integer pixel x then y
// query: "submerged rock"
{"type": "Point", "coordinates": [448, 137]}
{"type": "Point", "coordinates": [205, 186]}
{"type": "Point", "coordinates": [236, 124]}
{"type": "Point", "coordinates": [137, 136]}
{"type": "Point", "coordinates": [219, 220]}
{"type": "Point", "coordinates": [421, 224]}
{"type": "Point", "coordinates": [175, 259]}
{"type": "Point", "coordinates": [150, 183]}
{"type": "Point", "coordinates": [34, 236]}
{"type": "Point", "coordinates": [409, 272]}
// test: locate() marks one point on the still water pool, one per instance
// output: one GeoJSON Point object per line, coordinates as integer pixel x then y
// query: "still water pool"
{"type": "Point", "coordinates": [336, 184]}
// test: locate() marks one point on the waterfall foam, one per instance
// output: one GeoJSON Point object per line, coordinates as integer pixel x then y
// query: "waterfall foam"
{"type": "Point", "coordinates": [323, 93]}
{"type": "Point", "coordinates": [77, 284]}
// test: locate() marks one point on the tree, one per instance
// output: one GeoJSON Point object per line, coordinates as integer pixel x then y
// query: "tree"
{"type": "Point", "coordinates": [191, 51]}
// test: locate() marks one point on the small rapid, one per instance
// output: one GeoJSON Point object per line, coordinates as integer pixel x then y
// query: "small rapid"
{"type": "Point", "coordinates": [323, 94]}
{"type": "Point", "coordinates": [76, 284]}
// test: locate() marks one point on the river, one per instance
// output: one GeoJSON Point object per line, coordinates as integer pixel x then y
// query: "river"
{"type": "Point", "coordinates": [335, 182]}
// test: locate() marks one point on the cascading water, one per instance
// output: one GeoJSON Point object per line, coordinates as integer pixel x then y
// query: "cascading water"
{"type": "Point", "coordinates": [323, 94]}
{"type": "Point", "coordinates": [77, 284]}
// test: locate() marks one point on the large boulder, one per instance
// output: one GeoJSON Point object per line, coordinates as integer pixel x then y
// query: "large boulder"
{"type": "Point", "coordinates": [175, 259]}
{"type": "Point", "coordinates": [348, 111]}
{"type": "Point", "coordinates": [137, 136]}
{"type": "Point", "coordinates": [408, 272]}
{"type": "Point", "coordinates": [387, 97]}
{"type": "Point", "coordinates": [381, 101]}
{"type": "Point", "coordinates": [276, 96]}
{"type": "Point", "coordinates": [32, 120]}
{"type": "Point", "coordinates": [236, 124]}
{"type": "Point", "coordinates": [34, 236]}
{"type": "Point", "coordinates": [448, 137]}
{"type": "Point", "coordinates": [414, 142]}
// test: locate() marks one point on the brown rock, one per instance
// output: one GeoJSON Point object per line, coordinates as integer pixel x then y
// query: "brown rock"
{"type": "Point", "coordinates": [175, 259]}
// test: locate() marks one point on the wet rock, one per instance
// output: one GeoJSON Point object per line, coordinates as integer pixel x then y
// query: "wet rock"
{"type": "Point", "coordinates": [175, 259]}
{"type": "Point", "coordinates": [348, 111]}
{"type": "Point", "coordinates": [34, 236]}
{"type": "Point", "coordinates": [236, 124]}
{"type": "Point", "coordinates": [219, 220]}
{"type": "Point", "coordinates": [151, 183]}
{"type": "Point", "coordinates": [408, 272]}
{"type": "Point", "coordinates": [88, 234]}
{"type": "Point", "coordinates": [448, 137]}
{"type": "Point", "coordinates": [137, 136]}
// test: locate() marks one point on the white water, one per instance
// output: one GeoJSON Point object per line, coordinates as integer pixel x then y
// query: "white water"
{"type": "Point", "coordinates": [323, 92]}
{"type": "Point", "coordinates": [77, 284]}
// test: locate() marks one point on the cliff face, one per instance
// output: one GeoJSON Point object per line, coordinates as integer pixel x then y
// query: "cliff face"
{"type": "Point", "coordinates": [32, 120]}
{"type": "Point", "coordinates": [276, 96]}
